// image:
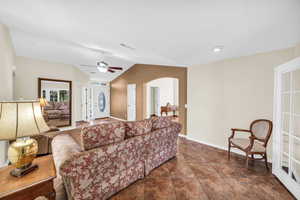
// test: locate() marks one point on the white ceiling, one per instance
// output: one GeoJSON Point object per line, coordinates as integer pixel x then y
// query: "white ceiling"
{"type": "Point", "coordinates": [165, 32]}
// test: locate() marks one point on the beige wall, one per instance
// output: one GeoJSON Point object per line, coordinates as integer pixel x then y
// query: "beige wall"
{"type": "Point", "coordinates": [141, 74]}
{"type": "Point", "coordinates": [7, 64]}
{"type": "Point", "coordinates": [297, 50]}
{"type": "Point", "coordinates": [230, 94]}
{"type": "Point", "coordinates": [7, 59]}
{"type": "Point", "coordinates": [29, 70]}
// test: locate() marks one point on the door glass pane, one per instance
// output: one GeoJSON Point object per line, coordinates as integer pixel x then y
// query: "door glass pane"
{"type": "Point", "coordinates": [296, 125]}
{"type": "Point", "coordinates": [285, 144]}
{"type": "Point", "coordinates": [285, 122]}
{"type": "Point", "coordinates": [286, 82]}
{"type": "Point", "coordinates": [296, 80]}
{"type": "Point", "coordinates": [285, 100]}
{"type": "Point", "coordinates": [296, 171]}
{"type": "Point", "coordinates": [285, 163]}
{"type": "Point", "coordinates": [296, 101]}
{"type": "Point", "coordinates": [296, 149]}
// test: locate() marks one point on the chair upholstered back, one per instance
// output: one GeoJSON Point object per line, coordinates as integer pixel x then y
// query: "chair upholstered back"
{"type": "Point", "coordinates": [262, 129]}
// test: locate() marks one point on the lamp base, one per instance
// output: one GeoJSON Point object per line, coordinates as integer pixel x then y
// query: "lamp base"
{"type": "Point", "coordinates": [21, 153]}
{"type": "Point", "coordinates": [23, 171]}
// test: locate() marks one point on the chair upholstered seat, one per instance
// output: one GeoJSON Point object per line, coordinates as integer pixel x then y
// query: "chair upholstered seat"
{"type": "Point", "coordinates": [245, 142]}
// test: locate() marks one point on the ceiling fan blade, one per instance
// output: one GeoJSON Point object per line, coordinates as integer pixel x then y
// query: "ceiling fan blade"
{"type": "Point", "coordinates": [88, 65]}
{"type": "Point", "coordinates": [116, 68]}
{"type": "Point", "coordinates": [112, 71]}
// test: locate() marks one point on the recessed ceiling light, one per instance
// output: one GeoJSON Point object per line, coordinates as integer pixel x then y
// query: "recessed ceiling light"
{"type": "Point", "coordinates": [218, 49]}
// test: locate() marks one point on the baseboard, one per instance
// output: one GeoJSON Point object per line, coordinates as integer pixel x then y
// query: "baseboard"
{"type": "Point", "coordinates": [4, 164]}
{"type": "Point", "coordinates": [67, 128]}
{"type": "Point", "coordinates": [212, 145]}
{"type": "Point", "coordinates": [216, 146]}
{"type": "Point", "coordinates": [182, 135]}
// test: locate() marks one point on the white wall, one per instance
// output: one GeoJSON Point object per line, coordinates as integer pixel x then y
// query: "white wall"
{"type": "Point", "coordinates": [230, 94]}
{"type": "Point", "coordinates": [7, 65]}
{"type": "Point", "coordinates": [29, 70]}
{"type": "Point", "coordinates": [168, 92]}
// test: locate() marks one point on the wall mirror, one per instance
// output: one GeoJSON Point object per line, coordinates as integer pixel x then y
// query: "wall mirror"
{"type": "Point", "coordinates": [56, 101]}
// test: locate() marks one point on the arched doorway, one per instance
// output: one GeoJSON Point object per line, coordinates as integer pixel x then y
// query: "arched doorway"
{"type": "Point", "coordinates": [162, 97]}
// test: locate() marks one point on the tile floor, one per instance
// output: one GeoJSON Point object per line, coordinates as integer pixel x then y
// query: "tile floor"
{"type": "Point", "coordinates": [202, 172]}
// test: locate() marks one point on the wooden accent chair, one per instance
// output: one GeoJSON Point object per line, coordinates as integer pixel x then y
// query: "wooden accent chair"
{"type": "Point", "coordinates": [260, 132]}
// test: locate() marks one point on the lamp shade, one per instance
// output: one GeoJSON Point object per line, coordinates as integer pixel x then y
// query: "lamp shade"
{"type": "Point", "coordinates": [20, 119]}
{"type": "Point", "coordinates": [43, 102]}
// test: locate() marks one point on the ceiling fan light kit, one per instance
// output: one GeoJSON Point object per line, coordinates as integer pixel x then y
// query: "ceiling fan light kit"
{"type": "Point", "coordinates": [103, 67]}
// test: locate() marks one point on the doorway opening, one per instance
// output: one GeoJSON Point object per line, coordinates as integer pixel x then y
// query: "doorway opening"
{"type": "Point", "coordinates": [162, 97]}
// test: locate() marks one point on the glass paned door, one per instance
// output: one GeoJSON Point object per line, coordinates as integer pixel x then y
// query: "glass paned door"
{"type": "Point", "coordinates": [295, 132]}
{"type": "Point", "coordinates": [286, 141]}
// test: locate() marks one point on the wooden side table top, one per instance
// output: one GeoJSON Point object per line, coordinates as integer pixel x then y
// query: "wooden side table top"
{"type": "Point", "coordinates": [10, 185]}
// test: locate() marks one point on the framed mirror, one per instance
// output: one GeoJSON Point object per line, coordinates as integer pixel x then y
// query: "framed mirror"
{"type": "Point", "coordinates": [56, 101]}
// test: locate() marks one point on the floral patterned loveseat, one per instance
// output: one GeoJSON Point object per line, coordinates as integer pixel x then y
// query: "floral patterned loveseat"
{"type": "Point", "coordinates": [57, 110]}
{"type": "Point", "coordinates": [102, 159]}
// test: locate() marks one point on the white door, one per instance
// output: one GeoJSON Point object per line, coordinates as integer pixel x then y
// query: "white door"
{"type": "Point", "coordinates": [286, 140]}
{"type": "Point", "coordinates": [154, 98]}
{"type": "Point", "coordinates": [101, 97]}
{"type": "Point", "coordinates": [131, 102]}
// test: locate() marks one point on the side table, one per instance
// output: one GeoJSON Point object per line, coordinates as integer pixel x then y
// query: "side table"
{"type": "Point", "coordinates": [35, 184]}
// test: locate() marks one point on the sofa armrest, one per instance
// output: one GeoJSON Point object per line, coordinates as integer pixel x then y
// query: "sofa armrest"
{"type": "Point", "coordinates": [63, 146]}
{"type": "Point", "coordinates": [177, 127]}
{"type": "Point", "coordinates": [73, 166]}
{"type": "Point", "coordinates": [104, 167]}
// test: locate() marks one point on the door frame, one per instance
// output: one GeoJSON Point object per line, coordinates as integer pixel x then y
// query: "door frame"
{"type": "Point", "coordinates": [277, 118]}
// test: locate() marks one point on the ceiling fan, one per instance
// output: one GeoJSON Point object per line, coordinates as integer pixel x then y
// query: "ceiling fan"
{"type": "Point", "coordinates": [104, 67]}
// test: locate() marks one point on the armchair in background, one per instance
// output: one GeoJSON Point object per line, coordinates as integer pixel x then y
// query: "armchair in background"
{"type": "Point", "coordinates": [260, 133]}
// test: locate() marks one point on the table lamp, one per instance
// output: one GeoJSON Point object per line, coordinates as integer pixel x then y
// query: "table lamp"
{"type": "Point", "coordinates": [19, 120]}
{"type": "Point", "coordinates": [43, 103]}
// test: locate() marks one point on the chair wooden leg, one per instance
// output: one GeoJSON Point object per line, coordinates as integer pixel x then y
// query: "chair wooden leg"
{"type": "Point", "coordinates": [252, 157]}
{"type": "Point", "coordinates": [229, 147]}
{"type": "Point", "coordinates": [266, 161]}
{"type": "Point", "coordinates": [247, 159]}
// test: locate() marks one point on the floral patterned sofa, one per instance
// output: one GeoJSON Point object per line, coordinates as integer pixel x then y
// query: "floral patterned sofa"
{"type": "Point", "coordinates": [102, 159]}
{"type": "Point", "coordinates": [56, 110]}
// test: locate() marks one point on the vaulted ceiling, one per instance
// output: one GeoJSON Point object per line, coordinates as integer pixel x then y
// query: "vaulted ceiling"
{"type": "Point", "coordinates": [164, 32]}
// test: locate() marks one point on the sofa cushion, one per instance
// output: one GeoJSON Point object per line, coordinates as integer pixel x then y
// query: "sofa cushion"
{"type": "Point", "coordinates": [63, 106]}
{"type": "Point", "coordinates": [161, 122]}
{"type": "Point", "coordinates": [102, 134]}
{"type": "Point", "coordinates": [138, 128]}
{"type": "Point", "coordinates": [49, 106]}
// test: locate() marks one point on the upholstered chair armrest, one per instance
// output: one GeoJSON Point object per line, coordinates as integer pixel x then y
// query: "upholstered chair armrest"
{"type": "Point", "coordinates": [238, 130]}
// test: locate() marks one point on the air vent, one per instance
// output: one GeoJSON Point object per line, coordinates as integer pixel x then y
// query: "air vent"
{"type": "Point", "coordinates": [127, 46]}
